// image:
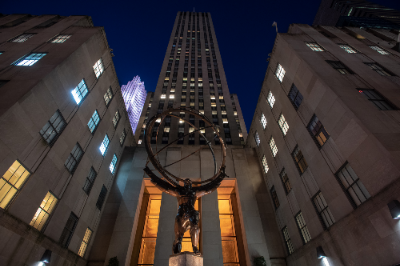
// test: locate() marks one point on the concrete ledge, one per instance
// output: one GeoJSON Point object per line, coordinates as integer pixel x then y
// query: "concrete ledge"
{"type": "Point", "coordinates": [185, 259]}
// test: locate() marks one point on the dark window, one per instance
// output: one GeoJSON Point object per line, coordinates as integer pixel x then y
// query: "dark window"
{"type": "Point", "coordinates": [116, 119]}
{"type": "Point", "coordinates": [301, 224]}
{"type": "Point", "coordinates": [317, 131]}
{"type": "Point", "coordinates": [74, 158]}
{"type": "Point", "coordinates": [122, 137]}
{"type": "Point", "coordinates": [102, 197]}
{"type": "Point", "coordinates": [299, 160]}
{"type": "Point", "coordinates": [323, 211]}
{"type": "Point", "coordinates": [285, 181]}
{"type": "Point", "coordinates": [53, 128]}
{"type": "Point", "coordinates": [288, 242]}
{"type": "Point", "coordinates": [381, 71]}
{"type": "Point", "coordinates": [377, 99]}
{"type": "Point", "coordinates": [89, 181]}
{"type": "Point", "coordinates": [68, 230]}
{"type": "Point", "coordinates": [295, 96]}
{"type": "Point", "coordinates": [274, 197]}
{"type": "Point", "coordinates": [340, 67]}
{"type": "Point", "coordinates": [108, 96]}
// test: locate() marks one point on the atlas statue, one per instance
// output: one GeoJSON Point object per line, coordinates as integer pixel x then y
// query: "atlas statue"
{"type": "Point", "coordinates": [184, 189]}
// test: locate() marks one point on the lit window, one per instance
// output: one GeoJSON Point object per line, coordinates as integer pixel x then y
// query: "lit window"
{"type": "Point", "coordinates": [68, 230]}
{"type": "Point", "coordinates": [11, 182]}
{"type": "Point", "coordinates": [80, 91]}
{"type": "Point", "coordinates": [104, 145]}
{"type": "Point", "coordinates": [317, 131]}
{"type": "Point", "coordinates": [171, 96]}
{"type": "Point", "coordinates": [221, 97]}
{"type": "Point", "coordinates": [53, 128]}
{"type": "Point", "coordinates": [85, 242]}
{"type": "Point", "coordinates": [90, 180]}
{"type": "Point", "coordinates": [280, 72]}
{"type": "Point", "coordinates": [299, 160]}
{"type": "Point", "coordinates": [122, 137]}
{"type": "Point", "coordinates": [44, 211]}
{"type": "Point", "coordinates": [108, 96]}
{"type": "Point", "coordinates": [377, 68]}
{"type": "Point", "coordinates": [315, 46]}
{"type": "Point", "coordinates": [379, 50]}
{"type": "Point", "coordinates": [163, 96]}
{"type": "Point", "coordinates": [225, 120]}
{"type": "Point", "coordinates": [139, 141]}
{"type": "Point", "coordinates": [340, 67]}
{"type": "Point", "coordinates": [263, 121]}
{"type": "Point", "coordinates": [274, 148]}
{"type": "Point", "coordinates": [323, 210]}
{"type": "Point", "coordinates": [23, 37]}
{"type": "Point", "coordinates": [257, 138]}
{"type": "Point", "coordinates": [113, 163]}
{"type": "Point", "coordinates": [295, 97]}
{"type": "Point", "coordinates": [265, 164]}
{"type": "Point", "coordinates": [271, 99]}
{"type": "Point", "coordinates": [166, 78]}
{"type": "Point", "coordinates": [74, 158]}
{"type": "Point", "coordinates": [377, 99]}
{"type": "Point", "coordinates": [192, 105]}
{"type": "Point", "coordinates": [60, 38]}
{"type": "Point", "coordinates": [348, 49]}
{"type": "Point", "coordinates": [283, 125]}
{"type": "Point", "coordinates": [116, 119]}
{"type": "Point", "coordinates": [301, 224]}
{"type": "Point", "coordinates": [212, 97]}
{"type": "Point", "coordinates": [167, 129]}
{"type": "Point", "coordinates": [285, 181]}
{"type": "Point", "coordinates": [274, 196]}
{"type": "Point", "coordinates": [98, 68]}
{"type": "Point", "coordinates": [101, 198]}
{"type": "Point", "coordinates": [29, 60]}
{"type": "Point", "coordinates": [93, 121]}
{"type": "Point", "coordinates": [352, 185]}
{"type": "Point", "coordinates": [288, 242]}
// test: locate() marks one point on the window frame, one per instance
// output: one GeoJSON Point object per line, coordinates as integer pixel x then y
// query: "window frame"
{"type": "Point", "coordinates": [29, 61]}
{"type": "Point", "coordinates": [92, 121]}
{"type": "Point", "coordinates": [104, 145]}
{"type": "Point", "coordinates": [380, 69]}
{"type": "Point", "coordinates": [262, 120]}
{"type": "Point", "coordinates": [271, 98]}
{"type": "Point", "coordinates": [264, 164]}
{"type": "Point", "coordinates": [324, 210]}
{"type": "Point", "coordinates": [301, 227]}
{"type": "Point", "coordinates": [61, 38]}
{"type": "Point", "coordinates": [115, 123]}
{"type": "Point", "coordinates": [379, 49]}
{"type": "Point", "coordinates": [285, 183]}
{"type": "Point", "coordinates": [67, 233]}
{"type": "Point", "coordinates": [54, 129]}
{"type": "Point", "coordinates": [282, 125]}
{"type": "Point", "coordinates": [274, 197]}
{"type": "Point", "coordinates": [26, 36]}
{"type": "Point", "coordinates": [87, 187]}
{"type": "Point", "coordinates": [343, 69]}
{"type": "Point", "coordinates": [108, 96]}
{"type": "Point", "coordinates": [257, 139]}
{"type": "Point", "coordinates": [101, 198]}
{"type": "Point", "coordinates": [77, 161]}
{"type": "Point", "coordinates": [280, 73]}
{"type": "Point", "coordinates": [273, 147]}
{"type": "Point", "coordinates": [315, 47]}
{"type": "Point", "coordinates": [288, 240]}
{"type": "Point", "coordinates": [301, 159]}
{"type": "Point", "coordinates": [374, 101]}
{"type": "Point", "coordinates": [82, 93]}
{"type": "Point", "coordinates": [43, 227]}
{"type": "Point", "coordinates": [298, 93]}
{"type": "Point", "coordinates": [320, 130]}
{"type": "Point", "coordinates": [98, 68]}
{"type": "Point", "coordinates": [85, 244]}
{"type": "Point", "coordinates": [113, 163]}
{"type": "Point", "coordinates": [123, 136]}
{"type": "Point", "coordinates": [348, 49]}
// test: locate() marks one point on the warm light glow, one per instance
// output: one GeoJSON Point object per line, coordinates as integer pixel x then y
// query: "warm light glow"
{"type": "Point", "coordinates": [163, 96]}
{"type": "Point", "coordinates": [171, 96]}
{"type": "Point", "coordinates": [139, 141]}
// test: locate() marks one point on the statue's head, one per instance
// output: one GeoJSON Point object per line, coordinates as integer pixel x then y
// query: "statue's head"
{"type": "Point", "coordinates": [187, 184]}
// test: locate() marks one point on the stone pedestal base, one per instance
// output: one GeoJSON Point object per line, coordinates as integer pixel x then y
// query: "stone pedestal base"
{"type": "Point", "coordinates": [185, 259]}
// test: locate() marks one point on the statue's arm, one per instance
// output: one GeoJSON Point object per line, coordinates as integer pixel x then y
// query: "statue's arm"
{"type": "Point", "coordinates": [210, 187]}
{"type": "Point", "coordinates": [161, 184]}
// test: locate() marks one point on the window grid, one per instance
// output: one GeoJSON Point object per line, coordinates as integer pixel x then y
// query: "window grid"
{"type": "Point", "coordinates": [93, 121]}
{"type": "Point", "coordinates": [104, 145]}
{"type": "Point", "coordinates": [90, 180]}
{"type": "Point", "coordinates": [257, 138]}
{"type": "Point", "coordinates": [300, 160]}
{"type": "Point", "coordinates": [295, 97]}
{"type": "Point", "coordinates": [274, 148]}
{"type": "Point", "coordinates": [379, 50]}
{"type": "Point", "coordinates": [101, 198]}
{"type": "Point", "coordinates": [288, 241]}
{"type": "Point", "coordinates": [80, 91]}
{"type": "Point", "coordinates": [271, 99]}
{"type": "Point", "coordinates": [108, 96]}
{"type": "Point", "coordinates": [122, 137]}
{"type": "Point", "coordinates": [68, 230]}
{"type": "Point", "coordinates": [98, 68]}
{"type": "Point", "coordinates": [301, 223]}
{"type": "Point", "coordinates": [280, 72]}
{"type": "Point", "coordinates": [116, 119]}
{"type": "Point", "coordinates": [23, 37]}
{"type": "Point", "coordinates": [60, 38]}
{"type": "Point", "coordinates": [342, 69]}
{"type": "Point", "coordinates": [11, 182]}
{"type": "Point", "coordinates": [85, 242]}
{"type": "Point", "coordinates": [377, 99]}
{"type": "Point", "coordinates": [285, 181]}
{"type": "Point", "coordinates": [44, 211]}
{"type": "Point", "coordinates": [29, 60]}
{"type": "Point", "coordinates": [113, 164]}
{"type": "Point", "coordinates": [318, 131]}
{"type": "Point", "coordinates": [274, 196]}
{"type": "Point", "coordinates": [53, 128]}
{"type": "Point", "coordinates": [323, 210]}
{"type": "Point", "coordinates": [74, 158]}
{"type": "Point", "coordinates": [283, 124]}
{"type": "Point", "coordinates": [265, 164]}
{"type": "Point", "coordinates": [377, 68]}
{"type": "Point", "coordinates": [315, 46]}
{"type": "Point", "coordinates": [348, 49]}
{"type": "Point", "coordinates": [263, 121]}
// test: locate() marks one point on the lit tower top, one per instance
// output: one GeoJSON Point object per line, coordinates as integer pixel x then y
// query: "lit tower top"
{"type": "Point", "coordinates": [134, 95]}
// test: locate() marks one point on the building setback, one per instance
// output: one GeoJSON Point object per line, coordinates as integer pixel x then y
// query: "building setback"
{"type": "Point", "coordinates": [326, 129]}
{"type": "Point", "coordinates": [63, 128]}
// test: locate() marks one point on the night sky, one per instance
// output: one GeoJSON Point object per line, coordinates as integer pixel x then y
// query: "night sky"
{"type": "Point", "coordinates": [139, 31]}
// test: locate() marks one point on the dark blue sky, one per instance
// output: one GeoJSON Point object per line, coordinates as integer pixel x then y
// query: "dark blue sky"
{"type": "Point", "coordinates": [139, 31]}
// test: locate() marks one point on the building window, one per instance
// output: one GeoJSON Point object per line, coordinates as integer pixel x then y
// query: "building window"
{"type": "Point", "coordinates": [122, 137]}
{"type": "Point", "coordinates": [272, 145]}
{"type": "Point", "coordinates": [288, 242]}
{"type": "Point", "coordinates": [116, 119]}
{"type": "Point", "coordinates": [263, 121]}
{"type": "Point", "coordinates": [379, 50]}
{"type": "Point", "coordinates": [44, 211]}
{"type": "Point", "coordinates": [93, 121]}
{"type": "Point", "coordinates": [323, 210]}
{"type": "Point", "coordinates": [85, 242]}
{"type": "Point", "coordinates": [101, 198]}
{"type": "Point", "coordinates": [104, 145]}
{"type": "Point", "coordinates": [315, 46]}
{"type": "Point", "coordinates": [53, 128]}
{"type": "Point", "coordinates": [280, 72]}
{"type": "Point", "coordinates": [285, 181]}
{"type": "Point", "coordinates": [271, 99]}
{"type": "Point", "coordinates": [60, 38]}
{"type": "Point", "coordinates": [274, 197]}
{"type": "Point", "coordinates": [299, 160]}
{"type": "Point", "coordinates": [80, 91]}
{"type": "Point", "coordinates": [74, 158]}
{"type": "Point", "coordinates": [113, 164]}
{"type": "Point", "coordinates": [301, 223]}
{"type": "Point", "coordinates": [108, 96]}
{"type": "Point", "coordinates": [377, 68]}
{"type": "Point", "coordinates": [11, 182]}
{"type": "Point", "coordinates": [342, 69]}
{"type": "Point", "coordinates": [377, 99]}
{"type": "Point", "coordinates": [23, 37]}
{"type": "Point", "coordinates": [68, 230]}
{"type": "Point", "coordinates": [348, 49]}
{"type": "Point", "coordinates": [317, 131]}
{"type": "Point", "coordinates": [283, 124]}
{"type": "Point", "coordinates": [257, 138]}
{"type": "Point", "coordinates": [295, 97]}
{"type": "Point", "coordinates": [265, 164]}
{"type": "Point", "coordinates": [352, 185]}
{"type": "Point", "coordinates": [98, 68]}
{"type": "Point", "coordinates": [29, 60]}
{"type": "Point", "coordinates": [90, 180]}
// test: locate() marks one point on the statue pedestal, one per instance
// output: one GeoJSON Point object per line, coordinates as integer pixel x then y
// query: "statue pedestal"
{"type": "Point", "coordinates": [185, 259]}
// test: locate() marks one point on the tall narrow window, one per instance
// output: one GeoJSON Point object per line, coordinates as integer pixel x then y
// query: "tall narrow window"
{"type": "Point", "coordinates": [113, 164]}
{"type": "Point", "coordinates": [60, 38]}
{"type": "Point", "coordinates": [299, 160]}
{"type": "Point", "coordinates": [108, 96]}
{"type": "Point", "coordinates": [93, 121]}
{"type": "Point", "coordinates": [11, 182]}
{"type": "Point", "coordinates": [323, 210]}
{"type": "Point", "coordinates": [317, 131]}
{"type": "Point", "coordinates": [377, 99]}
{"type": "Point", "coordinates": [283, 124]}
{"type": "Point", "coordinates": [104, 145]}
{"type": "Point", "coordinates": [348, 49]}
{"type": "Point", "coordinates": [116, 119]}
{"type": "Point", "coordinates": [44, 211]}
{"type": "Point", "coordinates": [90, 180]}
{"type": "Point", "coordinates": [379, 69]}
{"type": "Point", "coordinates": [340, 67]}
{"type": "Point", "coordinates": [265, 164]}
{"type": "Point", "coordinates": [68, 230]}
{"type": "Point", "coordinates": [280, 72]}
{"type": "Point", "coordinates": [98, 68]}
{"type": "Point", "coordinates": [274, 197]}
{"type": "Point", "coordinates": [23, 37]}
{"type": "Point", "coordinates": [80, 91]}
{"type": "Point", "coordinates": [315, 46]}
{"type": "Point", "coordinates": [74, 158]}
{"type": "Point", "coordinates": [271, 99]}
{"type": "Point", "coordinates": [379, 50]}
{"type": "Point", "coordinates": [122, 137]}
{"type": "Point", "coordinates": [101, 198]}
{"type": "Point", "coordinates": [301, 224]}
{"type": "Point", "coordinates": [288, 241]}
{"type": "Point", "coordinates": [352, 185]}
{"type": "Point", "coordinates": [263, 121]}
{"type": "Point", "coordinates": [85, 242]}
{"type": "Point", "coordinates": [29, 60]}
{"type": "Point", "coordinates": [257, 138]}
{"type": "Point", "coordinates": [285, 181]}
{"type": "Point", "coordinates": [274, 148]}
{"type": "Point", "coordinates": [295, 97]}
{"type": "Point", "coordinates": [53, 128]}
